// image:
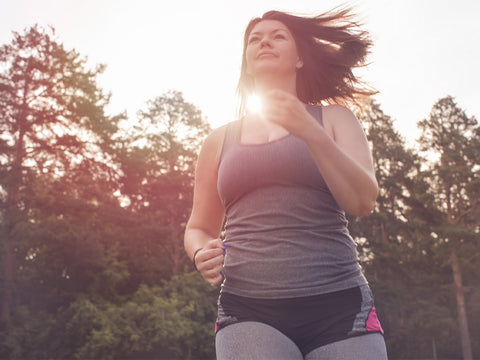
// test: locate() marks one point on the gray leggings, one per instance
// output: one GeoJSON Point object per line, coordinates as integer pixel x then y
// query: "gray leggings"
{"type": "Point", "coordinates": [256, 341]}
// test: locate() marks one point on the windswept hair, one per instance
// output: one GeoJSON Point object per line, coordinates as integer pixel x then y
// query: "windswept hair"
{"type": "Point", "coordinates": [330, 46]}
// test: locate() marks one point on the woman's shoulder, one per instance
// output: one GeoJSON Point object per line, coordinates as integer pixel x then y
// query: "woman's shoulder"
{"type": "Point", "coordinates": [213, 144]}
{"type": "Point", "coordinates": [217, 136]}
{"type": "Point", "coordinates": [338, 115]}
{"type": "Point", "coordinates": [339, 119]}
{"type": "Point", "coordinates": [337, 110]}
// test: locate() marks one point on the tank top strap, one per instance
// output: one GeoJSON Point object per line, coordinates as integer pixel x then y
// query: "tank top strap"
{"type": "Point", "coordinates": [232, 136]}
{"type": "Point", "coordinates": [316, 112]}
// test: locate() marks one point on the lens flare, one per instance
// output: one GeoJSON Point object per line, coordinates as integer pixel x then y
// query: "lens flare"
{"type": "Point", "coordinates": [254, 104]}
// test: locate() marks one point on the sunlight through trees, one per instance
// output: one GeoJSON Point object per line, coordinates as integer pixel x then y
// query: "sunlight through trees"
{"type": "Point", "coordinates": [93, 208]}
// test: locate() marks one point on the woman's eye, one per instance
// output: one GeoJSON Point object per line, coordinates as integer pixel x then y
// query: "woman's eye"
{"type": "Point", "coordinates": [253, 39]}
{"type": "Point", "coordinates": [278, 36]}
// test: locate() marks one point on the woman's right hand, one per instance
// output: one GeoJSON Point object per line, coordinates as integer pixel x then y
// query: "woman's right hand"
{"type": "Point", "coordinates": [209, 261]}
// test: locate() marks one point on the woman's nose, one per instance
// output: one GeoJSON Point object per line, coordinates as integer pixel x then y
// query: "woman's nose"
{"type": "Point", "coordinates": [265, 42]}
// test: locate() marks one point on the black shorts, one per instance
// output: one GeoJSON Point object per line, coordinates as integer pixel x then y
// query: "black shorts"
{"type": "Point", "coordinates": [310, 322]}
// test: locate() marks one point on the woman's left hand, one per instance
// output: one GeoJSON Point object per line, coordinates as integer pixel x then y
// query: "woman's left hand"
{"type": "Point", "coordinates": [282, 108]}
{"type": "Point", "coordinates": [344, 159]}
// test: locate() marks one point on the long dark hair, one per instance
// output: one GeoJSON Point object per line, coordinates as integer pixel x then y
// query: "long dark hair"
{"type": "Point", "coordinates": [331, 45]}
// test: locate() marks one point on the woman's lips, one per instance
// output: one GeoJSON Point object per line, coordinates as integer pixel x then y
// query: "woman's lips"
{"type": "Point", "coordinates": [266, 54]}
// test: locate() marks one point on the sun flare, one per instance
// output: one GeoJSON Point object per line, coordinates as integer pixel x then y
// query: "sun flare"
{"type": "Point", "coordinates": [254, 104]}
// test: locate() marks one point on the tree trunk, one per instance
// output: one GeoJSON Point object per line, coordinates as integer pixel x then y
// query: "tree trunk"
{"type": "Point", "coordinates": [11, 218]}
{"type": "Point", "coordinates": [12, 215]}
{"type": "Point", "coordinates": [462, 312]}
{"type": "Point", "coordinates": [8, 266]}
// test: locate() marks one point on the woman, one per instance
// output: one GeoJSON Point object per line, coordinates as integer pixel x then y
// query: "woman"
{"type": "Point", "coordinates": [284, 178]}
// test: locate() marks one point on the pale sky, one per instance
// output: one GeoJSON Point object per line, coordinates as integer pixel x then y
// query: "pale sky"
{"type": "Point", "coordinates": [424, 49]}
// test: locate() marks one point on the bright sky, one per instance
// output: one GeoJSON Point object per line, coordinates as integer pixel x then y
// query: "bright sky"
{"type": "Point", "coordinates": [424, 49]}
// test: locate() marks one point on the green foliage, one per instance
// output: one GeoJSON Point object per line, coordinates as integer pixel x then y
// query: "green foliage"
{"type": "Point", "coordinates": [405, 258]}
{"type": "Point", "coordinates": [174, 320]}
{"type": "Point", "coordinates": [157, 159]}
{"type": "Point", "coordinates": [28, 333]}
{"type": "Point", "coordinates": [452, 140]}
{"type": "Point", "coordinates": [89, 213]}
{"type": "Point", "coordinates": [92, 219]}
{"type": "Point", "coordinates": [171, 321]}
{"type": "Point", "coordinates": [55, 140]}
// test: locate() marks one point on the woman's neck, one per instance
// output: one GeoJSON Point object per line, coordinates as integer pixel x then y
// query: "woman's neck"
{"type": "Point", "coordinates": [267, 83]}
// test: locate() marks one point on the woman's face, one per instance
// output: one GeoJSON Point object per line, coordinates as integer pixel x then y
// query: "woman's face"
{"type": "Point", "coordinates": [271, 49]}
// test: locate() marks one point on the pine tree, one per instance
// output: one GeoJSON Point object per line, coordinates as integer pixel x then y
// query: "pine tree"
{"type": "Point", "coordinates": [52, 126]}
{"type": "Point", "coordinates": [388, 238]}
{"type": "Point", "coordinates": [159, 163]}
{"type": "Point", "coordinates": [450, 141]}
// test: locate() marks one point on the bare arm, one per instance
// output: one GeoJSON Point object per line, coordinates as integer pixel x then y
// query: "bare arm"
{"type": "Point", "coordinates": [205, 223]}
{"type": "Point", "coordinates": [340, 149]}
{"type": "Point", "coordinates": [344, 160]}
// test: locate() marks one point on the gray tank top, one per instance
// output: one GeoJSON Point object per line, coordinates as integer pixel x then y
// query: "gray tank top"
{"type": "Point", "coordinates": [285, 234]}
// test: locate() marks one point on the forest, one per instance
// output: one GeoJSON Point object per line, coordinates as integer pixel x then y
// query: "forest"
{"type": "Point", "coordinates": [92, 215]}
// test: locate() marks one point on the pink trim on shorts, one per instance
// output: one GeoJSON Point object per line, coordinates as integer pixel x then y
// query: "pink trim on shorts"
{"type": "Point", "coordinates": [372, 322]}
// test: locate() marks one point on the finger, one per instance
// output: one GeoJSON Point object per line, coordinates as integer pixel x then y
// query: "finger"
{"type": "Point", "coordinates": [213, 262]}
{"type": "Point", "coordinates": [214, 243]}
{"type": "Point", "coordinates": [215, 280]}
{"type": "Point", "coordinates": [219, 244]}
{"type": "Point", "coordinates": [210, 263]}
{"type": "Point", "coordinates": [212, 273]}
{"type": "Point", "coordinates": [206, 254]}
{"type": "Point", "coordinates": [211, 244]}
{"type": "Point", "coordinates": [272, 102]}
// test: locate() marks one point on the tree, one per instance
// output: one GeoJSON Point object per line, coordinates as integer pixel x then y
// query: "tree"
{"type": "Point", "coordinates": [386, 237]}
{"type": "Point", "coordinates": [397, 250]}
{"type": "Point", "coordinates": [158, 163]}
{"type": "Point", "coordinates": [52, 125]}
{"type": "Point", "coordinates": [174, 320]}
{"type": "Point", "coordinates": [83, 262]}
{"type": "Point", "coordinates": [450, 141]}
